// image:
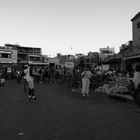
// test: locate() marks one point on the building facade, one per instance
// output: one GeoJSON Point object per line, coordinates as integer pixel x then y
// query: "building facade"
{"type": "Point", "coordinates": [27, 55]}
{"type": "Point", "coordinates": [105, 52]}
{"type": "Point", "coordinates": [136, 33]}
{"type": "Point", "coordinates": [131, 51]}
{"type": "Point", "coordinates": [65, 58]}
{"type": "Point", "coordinates": [8, 55]}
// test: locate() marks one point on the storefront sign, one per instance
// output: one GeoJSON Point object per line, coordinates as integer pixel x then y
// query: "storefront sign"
{"type": "Point", "coordinates": [69, 64]}
{"type": "Point", "coordinates": [105, 67]}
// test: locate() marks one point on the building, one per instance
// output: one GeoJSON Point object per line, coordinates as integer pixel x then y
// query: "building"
{"type": "Point", "coordinates": [91, 59]}
{"type": "Point", "coordinates": [126, 50]}
{"type": "Point", "coordinates": [8, 59]}
{"type": "Point", "coordinates": [27, 55]}
{"type": "Point", "coordinates": [136, 33]}
{"type": "Point", "coordinates": [129, 53]}
{"type": "Point", "coordinates": [113, 62]}
{"type": "Point", "coordinates": [105, 52]}
{"type": "Point", "coordinates": [78, 55]}
{"type": "Point", "coordinates": [94, 57]}
{"type": "Point", "coordinates": [7, 55]}
{"type": "Point", "coordinates": [131, 50]}
{"type": "Point", "coordinates": [54, 60]}
{"type": "Point", "coordinates": [65, 58]}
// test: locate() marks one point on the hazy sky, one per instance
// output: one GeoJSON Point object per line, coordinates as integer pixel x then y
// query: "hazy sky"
{"type": "Point", "coordinates": [59, 25]}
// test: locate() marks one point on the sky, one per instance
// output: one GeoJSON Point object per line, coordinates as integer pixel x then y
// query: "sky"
{"type": "Point", "coordinates": [67, 26]}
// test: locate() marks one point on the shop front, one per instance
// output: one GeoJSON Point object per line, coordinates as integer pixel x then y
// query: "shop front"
{"type": "Point", "coordinates": [114, 63]}
{"type": "Point", "coordinates": [131, 61]}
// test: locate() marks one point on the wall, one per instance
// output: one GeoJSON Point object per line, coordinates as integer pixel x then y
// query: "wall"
{"type": "Point", "coordinates": [136, 36]}
{"type": "Point", "coordinates": [13, 58]}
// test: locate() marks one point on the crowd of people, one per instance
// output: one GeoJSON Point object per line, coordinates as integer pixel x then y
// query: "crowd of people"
{"type": "Point", "coordinates": [80, 79]}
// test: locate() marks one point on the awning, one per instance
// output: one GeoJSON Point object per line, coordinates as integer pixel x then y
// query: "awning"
{"type": "Point", "coordinates": [37, 63]}
{"type": "Point", "coordinates": [31, 55]}
{"type": "Point", "coordinates": [9, 52]}
{"type": "Point", "coordinates": [132, 57]}
{"type": "Point", "coordinates": [112, 60]}
{"type": "Point", "coordinates": [5, 62]}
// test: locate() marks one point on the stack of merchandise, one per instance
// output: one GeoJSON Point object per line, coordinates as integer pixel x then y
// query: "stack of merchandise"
{"type": "Point", "coordinates": [117, 87]}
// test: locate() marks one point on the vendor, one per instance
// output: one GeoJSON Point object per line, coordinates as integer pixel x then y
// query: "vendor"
{"type": "Point", "coordinates": [86, 76]}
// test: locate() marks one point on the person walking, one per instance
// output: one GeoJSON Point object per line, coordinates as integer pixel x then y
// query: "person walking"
{"type": "Point", "coordinates": [86, 76]}
{"type": "Point", "coordinates": [136, 81]}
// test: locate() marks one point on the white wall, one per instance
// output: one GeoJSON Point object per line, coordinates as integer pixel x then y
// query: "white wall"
{"type": "Point", "coordinates": [13, 58]}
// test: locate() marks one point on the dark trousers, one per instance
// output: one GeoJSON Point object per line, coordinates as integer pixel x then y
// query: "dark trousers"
{"type": "Point", "coordinates": [31, 92]}
{"type": "Point", "coordinates": [25, 85]}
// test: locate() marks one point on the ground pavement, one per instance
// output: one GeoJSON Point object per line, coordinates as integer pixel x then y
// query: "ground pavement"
{"type": "Point", "coordinates": [60, 115]}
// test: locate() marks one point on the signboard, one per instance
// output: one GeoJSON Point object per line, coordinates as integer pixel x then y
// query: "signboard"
{"type": "Point", "coordinates": [9, 69]}
{"type": "Point", "coordinates": [53, 60]}
{"type": "Point", "coordinates": [105, 67]}
{"type": "Point", "coordinates": [69, 64]}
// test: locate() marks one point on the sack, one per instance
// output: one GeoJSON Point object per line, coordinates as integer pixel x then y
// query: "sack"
{"type": "Point", "coordinates": [2, 81]}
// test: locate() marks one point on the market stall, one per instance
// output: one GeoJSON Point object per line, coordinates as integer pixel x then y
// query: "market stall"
{"type": "Point", "coordinates": [117, 87]}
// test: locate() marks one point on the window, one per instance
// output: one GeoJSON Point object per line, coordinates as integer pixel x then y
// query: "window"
{"type": "Point", "coordinates": [32, 58]}
{"type": "Point", "coordinates": [5, 55]}
{"type": "Point", "coordinates": [138, 25]}
{"type": "Point", "coordinates": [87, 60]}
{"type": "Point", "coordinates": [9, 55]}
